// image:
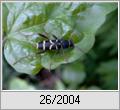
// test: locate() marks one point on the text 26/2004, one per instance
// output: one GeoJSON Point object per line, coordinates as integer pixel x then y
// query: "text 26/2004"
{"type": "Point", "coordinates": [59, 99]}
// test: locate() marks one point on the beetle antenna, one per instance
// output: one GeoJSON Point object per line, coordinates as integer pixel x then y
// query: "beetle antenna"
{"type": "Point", "coordinates": [43, 36]}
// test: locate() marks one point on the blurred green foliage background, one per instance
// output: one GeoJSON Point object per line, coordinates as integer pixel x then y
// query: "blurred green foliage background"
{"type": "Point", "coordinates": [95, 70]}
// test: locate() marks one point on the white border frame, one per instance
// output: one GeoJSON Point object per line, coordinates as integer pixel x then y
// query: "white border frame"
{"type": "Point", "coordinates": [60, 90]}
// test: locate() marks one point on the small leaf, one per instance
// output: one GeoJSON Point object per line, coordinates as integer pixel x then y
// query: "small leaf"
{"type": "Point", "coordinates": [59, 85]}
{"type": "Point", "coordinates": [74, 73]}
{"type": "Point", "coordinates": [19, 84]}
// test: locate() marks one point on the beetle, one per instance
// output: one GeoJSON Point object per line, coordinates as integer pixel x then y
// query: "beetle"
{"type": "Point", "coordinates": [55, 44]}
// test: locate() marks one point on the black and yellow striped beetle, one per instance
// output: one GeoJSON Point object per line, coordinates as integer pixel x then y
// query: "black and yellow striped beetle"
{"type": "Point", "coordinates": [55, 44]}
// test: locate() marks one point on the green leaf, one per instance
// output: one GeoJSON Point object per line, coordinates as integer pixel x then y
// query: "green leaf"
{"type": "Point", "coordinates": [25, 65]}
{"type": "Point", "coordinates": [4, 17]}
{"type": "Point", "coordinates": [19, 84]}
{"type": "Point", "coordinates": [108, 7]}
{"type": "Point", "coordinates": [74, 73]}
{"type": "Point", "coordinates": [78, 21]}
{"type": "Point", "coordinates": [109, 36]}
{"type": "Point", "coordinates": [8, 73]}
{"type": "Point", "coordinates": [59, 85]}
{"type": "Point", "coordinates": [93, 88]}
{"type": "Point", "coordinates": [109, 72]}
